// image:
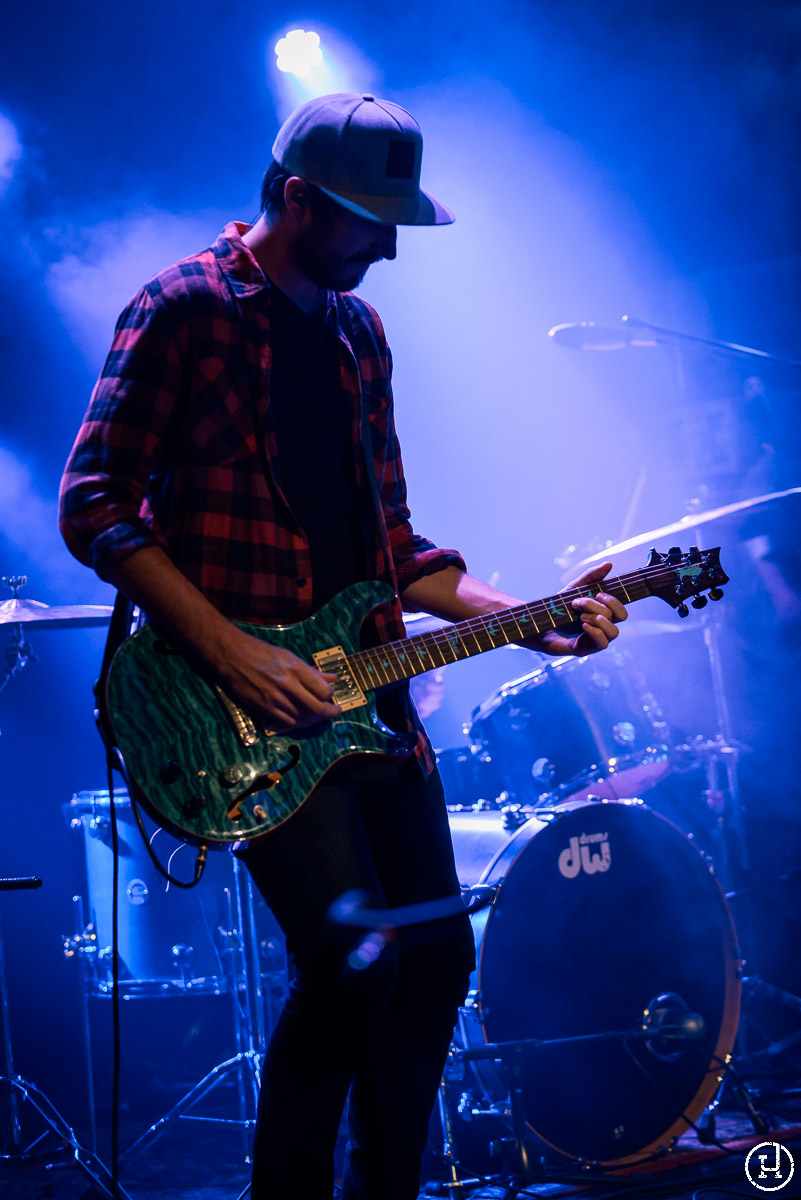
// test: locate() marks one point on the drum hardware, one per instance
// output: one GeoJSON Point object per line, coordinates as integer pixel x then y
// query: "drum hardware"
{"type": "Point", "coordinates": [242, 951]}
{"type": "Point", "coordinates": [14, 1088]}
{"type": "Point", "coordinates": [666, 1021]}
{"type": "Point", "coordinates": [166, 937]}
{"type": "Point", "coordinates": [513, 814]}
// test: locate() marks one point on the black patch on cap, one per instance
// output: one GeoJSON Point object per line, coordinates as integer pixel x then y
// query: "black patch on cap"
{"type": "Point", "coordinates": [400, 159]}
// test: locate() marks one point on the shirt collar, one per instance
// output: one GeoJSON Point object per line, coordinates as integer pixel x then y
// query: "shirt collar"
{"type": "Point", "coordinates": [237, 264]}
{"type": "Point", "coordinates": [246, 277]}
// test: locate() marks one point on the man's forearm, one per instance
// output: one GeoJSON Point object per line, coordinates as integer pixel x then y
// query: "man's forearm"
{"type": "Point", "coordinates": [270, 680]}
{"type": "Point", "coordinates": [153, 582]}
{"type": "Point", "coordinates": [454, 595]}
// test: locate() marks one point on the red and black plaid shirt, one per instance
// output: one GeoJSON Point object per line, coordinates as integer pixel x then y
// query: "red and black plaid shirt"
{"type": "Point", "coordinates": [177, 448]}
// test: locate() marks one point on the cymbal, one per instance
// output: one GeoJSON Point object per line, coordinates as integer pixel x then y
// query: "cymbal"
{"type": "Point", "coordinates": [691, 521]}
{"type": "Point", "coordinates": [639, 628]}
{"type": "Point", "coordinates": [422, 622]}
{"type": "Point", "coordinates": [57, 616]}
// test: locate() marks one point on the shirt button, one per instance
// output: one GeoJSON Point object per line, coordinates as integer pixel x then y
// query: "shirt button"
{"type": "Point", "coordinates": [301, 581]}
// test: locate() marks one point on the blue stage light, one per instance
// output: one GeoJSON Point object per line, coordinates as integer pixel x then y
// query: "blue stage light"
{"type": "Point", "coordinates": [10, 152]}
{"type": "Point", "coordinates": [298, 53]}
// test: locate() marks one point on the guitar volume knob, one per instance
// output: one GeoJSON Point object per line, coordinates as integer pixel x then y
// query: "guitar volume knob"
{"type": "Point", "coordinates": [171, 771]}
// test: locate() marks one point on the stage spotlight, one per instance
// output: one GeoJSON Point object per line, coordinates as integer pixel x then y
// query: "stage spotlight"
{"type": "Point", "coordinates": [298, 53]}
{"type": "Point", "coordinates": [302, 64]}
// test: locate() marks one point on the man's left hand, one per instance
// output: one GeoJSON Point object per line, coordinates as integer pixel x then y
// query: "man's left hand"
{"type": "Point", "coordinates": [599, 616]}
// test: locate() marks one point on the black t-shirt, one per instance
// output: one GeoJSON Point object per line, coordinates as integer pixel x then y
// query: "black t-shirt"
{"type": "Point", "coordinates": [316, 471]}
{"type": "Point", "coordinates": [313, 427]}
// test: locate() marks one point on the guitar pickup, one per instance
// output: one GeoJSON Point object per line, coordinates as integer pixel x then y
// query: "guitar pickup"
{"type": "Point", "coordinates": [347, 693]}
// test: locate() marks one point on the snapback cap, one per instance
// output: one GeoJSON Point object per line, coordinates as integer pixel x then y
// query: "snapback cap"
{"type": "Point", "coordinates": [364, 153]}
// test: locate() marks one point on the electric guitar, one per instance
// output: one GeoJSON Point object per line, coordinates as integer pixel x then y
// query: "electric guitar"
{"type": "Point", "coordinates": [203, 768]}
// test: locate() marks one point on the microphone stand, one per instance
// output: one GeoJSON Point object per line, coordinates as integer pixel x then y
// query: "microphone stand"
{"type": "Point", "coordinates": [660, 334]}
{"type": "Point", "coordinates": [12, 1087]}
{"type": "Point", "coordinates": [681, 1026]}
{"type": "Point", "coordinates": [587, 335]}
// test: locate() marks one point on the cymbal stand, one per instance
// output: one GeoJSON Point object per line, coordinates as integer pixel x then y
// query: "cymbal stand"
{"type": "Point", "coordinates": [14, 1087]}
{"type": "Point", "coordinates": [724, 754]}
{"type": "Point", "coordinates": [19, 652]}
{"type": "Point", "coordinates": [249, 1028]}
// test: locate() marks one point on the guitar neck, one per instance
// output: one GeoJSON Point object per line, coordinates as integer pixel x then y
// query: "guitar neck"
{"type": "Point", "coordinates": [396, 661]}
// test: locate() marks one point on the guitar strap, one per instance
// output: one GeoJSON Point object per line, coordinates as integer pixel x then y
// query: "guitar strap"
{"type": "Point", "coordinates": [118, 630]}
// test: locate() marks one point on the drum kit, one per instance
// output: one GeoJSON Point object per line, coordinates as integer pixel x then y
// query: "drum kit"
{"type": "Point", "coordinates": [597, 917]}
{"type": "Point", "coordinates": [604, 1010]}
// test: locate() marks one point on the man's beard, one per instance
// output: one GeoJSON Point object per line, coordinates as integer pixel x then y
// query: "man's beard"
{"type": "Point", "coordinates": [311, 252]}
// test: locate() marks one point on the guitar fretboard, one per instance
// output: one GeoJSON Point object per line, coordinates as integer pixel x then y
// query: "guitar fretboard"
{"type": "Point", "coordinates": [396, 661]}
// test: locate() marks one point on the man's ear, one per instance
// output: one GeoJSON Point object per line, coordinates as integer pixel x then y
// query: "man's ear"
{"type": "Point", "coordinates": [296, 197]}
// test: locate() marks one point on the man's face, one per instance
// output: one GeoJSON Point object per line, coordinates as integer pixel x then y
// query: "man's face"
{"type": "Point", "coordinates": [334, 249]}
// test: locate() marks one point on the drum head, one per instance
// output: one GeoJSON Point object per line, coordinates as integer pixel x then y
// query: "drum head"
{"type": "Point", "coordinates": [601, 909]}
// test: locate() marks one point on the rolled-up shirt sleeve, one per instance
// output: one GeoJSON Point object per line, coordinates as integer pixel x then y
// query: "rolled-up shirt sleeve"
{"type": "Point", "coordinates": [102, 513]}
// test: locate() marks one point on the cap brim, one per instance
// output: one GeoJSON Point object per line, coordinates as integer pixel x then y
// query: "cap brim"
{"type": "Point", "coordinates": [421, 209]}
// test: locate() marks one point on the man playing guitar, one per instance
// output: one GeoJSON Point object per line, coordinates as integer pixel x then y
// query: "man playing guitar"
{"type": "Point", "coordinates": [238, 464]}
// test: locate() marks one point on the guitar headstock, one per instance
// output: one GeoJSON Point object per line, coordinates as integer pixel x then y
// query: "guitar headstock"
{"type": "Point", "coordinates": [677, 577]}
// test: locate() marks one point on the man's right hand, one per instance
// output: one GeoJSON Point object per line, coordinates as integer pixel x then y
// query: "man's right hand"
{"type": "Point", "coordinates": [275, 685]}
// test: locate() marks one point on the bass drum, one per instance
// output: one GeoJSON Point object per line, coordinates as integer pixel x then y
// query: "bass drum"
{"type": "Point", "coordinates": [600, 908]}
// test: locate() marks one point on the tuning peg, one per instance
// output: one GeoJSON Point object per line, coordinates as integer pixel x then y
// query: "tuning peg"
{"type": "Point", "coordinates": [654, 557]}
{"type": "Point", "coordinates": [694, 555]}
{"type": "Point", "coordinates": [674, 554]}
{"type": "Point", "coordinates": [716, 594]}
{"type": "Point", "coordinates": [683, 610]}
{"type": "Point", "coordinates": [699, 602]}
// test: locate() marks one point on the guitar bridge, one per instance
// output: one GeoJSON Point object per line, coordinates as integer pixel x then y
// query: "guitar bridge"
{"type": "Point", "coordinates": [244, 727]}
{"type": "Point", "coordinates": [347, 693]}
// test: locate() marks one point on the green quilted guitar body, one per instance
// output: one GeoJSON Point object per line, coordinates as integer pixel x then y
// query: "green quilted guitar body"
{"type": "Point", "coordinates": [189, 763]}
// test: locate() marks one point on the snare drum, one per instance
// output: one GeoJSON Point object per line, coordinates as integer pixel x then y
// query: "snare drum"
{"type": "Point", "coordinates": [600, 908]}
{"type": "Point", "coordinates": [168, 936]}
{"type": "Point", "coordinates": [575, 723]}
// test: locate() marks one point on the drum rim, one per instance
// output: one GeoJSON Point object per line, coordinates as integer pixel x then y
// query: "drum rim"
{"type": "Point", "coordinates": [508, 854]}
{"type": "Point", "coordinates": [520, 684]}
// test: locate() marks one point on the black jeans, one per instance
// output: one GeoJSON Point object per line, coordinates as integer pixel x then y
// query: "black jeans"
{"type": "Point", "coordinates": [382, 1033]}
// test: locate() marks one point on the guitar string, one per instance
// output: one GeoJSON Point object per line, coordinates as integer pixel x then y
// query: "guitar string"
{"type": "Point", "coordinates": [387, 658]}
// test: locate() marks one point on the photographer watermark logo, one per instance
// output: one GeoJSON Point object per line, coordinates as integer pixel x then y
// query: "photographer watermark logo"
{"type": "Point", "coordinates": [769, 1166]}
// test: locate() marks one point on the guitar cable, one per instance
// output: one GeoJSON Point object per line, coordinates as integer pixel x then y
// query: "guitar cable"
{"type": "Point", "coordinates": [115, 981]}
{"type": "Point", "coordinates": [200, 861]}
